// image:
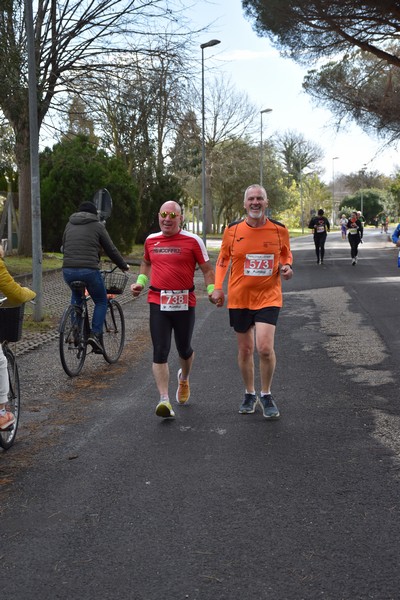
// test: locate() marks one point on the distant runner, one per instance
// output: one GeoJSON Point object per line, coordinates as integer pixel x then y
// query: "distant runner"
{"type": "Point", "coordinates": [320, 226]}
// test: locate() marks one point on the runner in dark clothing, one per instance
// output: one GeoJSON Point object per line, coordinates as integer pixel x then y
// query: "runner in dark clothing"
{"type": "Point", "coordinates": [355, 234]}
{"type": "Point", "coordinates": [321, 226]}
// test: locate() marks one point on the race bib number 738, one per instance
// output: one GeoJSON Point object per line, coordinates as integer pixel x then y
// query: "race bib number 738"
{"type": "Point", "coordinates": [172, 300]}
{"type": "Point", "coordinates": [259, 265]}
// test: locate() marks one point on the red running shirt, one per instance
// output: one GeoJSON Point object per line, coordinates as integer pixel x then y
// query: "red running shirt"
{"type": "Point", "coordinates": [173, 261]}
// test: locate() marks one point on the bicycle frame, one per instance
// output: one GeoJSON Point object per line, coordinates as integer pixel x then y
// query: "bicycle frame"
{"type": "Point", "coordinates": [7, 436]}
{"type": "Point", "coordinates": [75, 329]}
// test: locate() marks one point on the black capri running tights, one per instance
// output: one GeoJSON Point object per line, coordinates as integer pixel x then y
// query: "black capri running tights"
{"type": "Point", "coordinates": [161, 325]}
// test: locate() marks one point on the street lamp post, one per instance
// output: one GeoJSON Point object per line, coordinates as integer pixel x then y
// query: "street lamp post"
{"type": "Point", "coordinates": [203, 146]}
{"type": "Point", "coordinates": [301, 195]}
{"type": "Point", "coordinates": [362, 173]}
{"type": "Point", "coordinates": [37, 257]}
{"type": "Point", "coordinates": [266, 110]}
{"type": "Point", "coordinates": [333, 190]}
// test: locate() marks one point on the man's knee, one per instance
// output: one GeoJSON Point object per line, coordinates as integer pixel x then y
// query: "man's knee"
{"type": "Point", "coordinates": [185, 354]}
{"type": "Point", "coordinates": [266, 351]}
{"type": "Point", "coordinates": [160, 355]}
{"type": "Point", "coordinates": [245, 351]}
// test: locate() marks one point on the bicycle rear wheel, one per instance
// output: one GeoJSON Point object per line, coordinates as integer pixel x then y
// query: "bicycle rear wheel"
{"type": "Point", "coordinates": [72, 343]}
{"type": "Point", "coordinates": [114, 331]}
{"type": "Point", "coordinates": [7, 436]}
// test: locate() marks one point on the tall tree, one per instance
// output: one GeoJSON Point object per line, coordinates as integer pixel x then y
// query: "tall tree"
{"type": "Point", "coordinates": [71, 37]}
{"type": "Point", "coordinates": [364, 83]}
{"type": "Point", "coordinates": [185, 154]}
{"type": "Point", "coordinates": [360, 87]}
{"type": "Point", "coordinates": [235, 167]}
{"type": "Point", "coordinates": [71, 173]}
{"type": "Point", "coordinates": [309, 30]}
{"type": "Point", "coordinates": [7, 156]}
{"type": "Point", "coordinates": [229, 115]}
{"type": "Point", "coordinates": [137, 110]}
{"type": "Point", "coordinates": [373, 202]}
{"type": "Point", "coordinates": [298, 154]}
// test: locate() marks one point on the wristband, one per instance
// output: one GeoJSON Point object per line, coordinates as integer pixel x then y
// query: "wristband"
{"type": "Point", "coordinates": [210, 288]}
{"type": "Point", "coordinates": [142, 279]}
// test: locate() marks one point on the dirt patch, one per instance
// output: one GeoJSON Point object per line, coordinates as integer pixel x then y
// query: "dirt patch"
{"type": "Point", "coordinates": [51, 401]}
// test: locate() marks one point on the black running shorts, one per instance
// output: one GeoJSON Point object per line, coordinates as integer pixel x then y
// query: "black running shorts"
{"type": "Point", "coordinates": [241, 319]}
{"type": "Point", "coordinates": [162, 324]}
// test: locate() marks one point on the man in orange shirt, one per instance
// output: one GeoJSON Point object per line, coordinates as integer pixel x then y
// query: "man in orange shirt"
{"type": "Point", "coordinates": [258, 252]}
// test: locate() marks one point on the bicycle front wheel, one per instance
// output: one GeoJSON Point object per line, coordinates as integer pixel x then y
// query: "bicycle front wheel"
{"type": "Point", "coordinates": [7, 436]}
{"type": "Point", "coordinates": [72, 343]}
{"type": "Point", "coordinates": [114, 332]}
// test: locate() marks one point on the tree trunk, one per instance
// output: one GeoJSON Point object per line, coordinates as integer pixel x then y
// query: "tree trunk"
{"type": "Point", "coordinates": [24, 195]}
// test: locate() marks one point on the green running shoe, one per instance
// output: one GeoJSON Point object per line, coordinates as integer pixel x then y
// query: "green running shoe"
{"type": "Point", "coordinates": [164, 410]}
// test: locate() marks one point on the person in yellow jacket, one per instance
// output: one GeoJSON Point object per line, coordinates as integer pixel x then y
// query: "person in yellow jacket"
{"type": "Point", "coordinates": [15, 294]}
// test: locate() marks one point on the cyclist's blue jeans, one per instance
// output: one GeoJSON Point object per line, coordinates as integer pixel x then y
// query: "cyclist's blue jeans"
{"type": "Point", "coordinates": [95, 286]}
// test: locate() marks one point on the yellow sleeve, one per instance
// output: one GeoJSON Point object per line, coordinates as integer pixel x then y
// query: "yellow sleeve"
{"type": "Point", "coordinates": [15, 293]}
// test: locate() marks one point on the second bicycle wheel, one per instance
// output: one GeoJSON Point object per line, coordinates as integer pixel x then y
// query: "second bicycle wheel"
{"type": "Point", "coordinates": [72, 343]}
{"type": "Point", "coordinates": [114, 332]}
{"type": "Point", "coordinates": [7, 436]}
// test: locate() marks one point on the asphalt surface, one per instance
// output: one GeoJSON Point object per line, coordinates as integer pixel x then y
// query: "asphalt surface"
{"type": "Point", "coordinates": [101, 499]}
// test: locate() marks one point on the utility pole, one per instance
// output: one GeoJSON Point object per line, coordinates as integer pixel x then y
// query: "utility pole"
{"type": "Point", "coordinates": [37, 283]}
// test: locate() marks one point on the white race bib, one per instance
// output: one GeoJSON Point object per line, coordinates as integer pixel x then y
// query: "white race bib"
{"type": "Point", "coordinates": [259, 265]}
{"type": "Point", "coordinates": [172, 300]}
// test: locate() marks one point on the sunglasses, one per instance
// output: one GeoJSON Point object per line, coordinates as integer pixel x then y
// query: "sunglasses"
{"type": "Point", "coordinates": [164, 214]}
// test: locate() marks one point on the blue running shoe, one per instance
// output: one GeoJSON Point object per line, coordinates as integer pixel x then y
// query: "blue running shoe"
{"type": "Point", "coordinates": [270, 410]}
{"type": "Point", "coordinates": [248, 405]}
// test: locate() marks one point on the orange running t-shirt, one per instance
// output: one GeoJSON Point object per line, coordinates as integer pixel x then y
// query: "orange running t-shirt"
{"type": "Point", "coordinates": [255, 254]}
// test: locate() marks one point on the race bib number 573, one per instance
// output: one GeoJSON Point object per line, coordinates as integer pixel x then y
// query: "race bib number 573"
{"type": "Point", "coordinates": [259, 265]}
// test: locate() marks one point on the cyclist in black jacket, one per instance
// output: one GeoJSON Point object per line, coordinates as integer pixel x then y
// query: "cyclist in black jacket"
{"type": "Point", "coordinates": [84, 238]}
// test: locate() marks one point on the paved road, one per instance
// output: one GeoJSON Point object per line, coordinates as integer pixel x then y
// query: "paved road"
{"type": "Point", "coordinates": [101, 499]}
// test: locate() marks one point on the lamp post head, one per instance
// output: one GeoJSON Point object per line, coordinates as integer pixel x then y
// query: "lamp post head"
{"type": "Point", "coordinates": [210, 43]}
{"type": "Point", "coordinates": [266, 110]}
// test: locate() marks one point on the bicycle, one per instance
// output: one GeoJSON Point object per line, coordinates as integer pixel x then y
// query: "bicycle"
{"type": "Point", "coordinates": [75, 325]}
{"type": "Point", "coordinates": [11, 319]}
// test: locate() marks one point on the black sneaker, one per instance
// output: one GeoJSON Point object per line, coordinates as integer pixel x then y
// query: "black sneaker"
{"type": "Point", "coordinates": [249, 404]}
{"type": "Point", "coordinates": [270, 410]}
{"type": "Point", "coordinates": [96, 341]}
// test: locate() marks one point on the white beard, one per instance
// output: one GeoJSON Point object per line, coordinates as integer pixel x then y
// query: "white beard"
{"type": "Point", "coordinates": [253, 214]}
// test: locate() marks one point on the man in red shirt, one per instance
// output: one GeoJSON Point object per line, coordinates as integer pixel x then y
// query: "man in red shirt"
{"type": "Point", "coordinates": [169, 260]}
{"type": "Point", "coordinates": [257, 249]}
